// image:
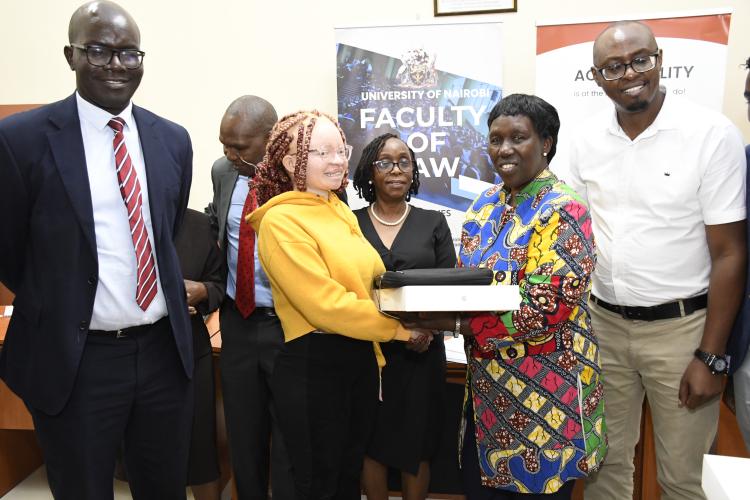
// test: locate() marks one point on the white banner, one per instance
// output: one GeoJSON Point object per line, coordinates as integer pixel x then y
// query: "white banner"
{"type": "Point", "coordinates": [694, 49]}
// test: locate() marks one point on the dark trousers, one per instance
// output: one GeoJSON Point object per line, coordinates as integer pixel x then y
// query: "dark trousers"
{"type": "Point", "coordinates": [328, 392]}
{"type": "Point", "coordinates": [470, 475]}
{"type": "Point", "coordinates": [130, 391]}
{"type": "Point", "coordinates": [248, 352]}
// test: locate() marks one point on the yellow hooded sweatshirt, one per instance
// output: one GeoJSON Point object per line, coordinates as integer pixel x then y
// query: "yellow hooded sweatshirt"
{"type": "Point", "coordinates": [321, 269]}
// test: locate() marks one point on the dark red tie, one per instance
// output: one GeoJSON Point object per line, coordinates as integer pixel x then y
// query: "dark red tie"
{"type": "Point", "coordinates": [130, 189]}
{"type": "Point", "coordinates": [244, 296]}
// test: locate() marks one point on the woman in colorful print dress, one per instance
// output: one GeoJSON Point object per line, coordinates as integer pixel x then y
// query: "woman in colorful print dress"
{"type": "Point", "coordinates": [533, 413]}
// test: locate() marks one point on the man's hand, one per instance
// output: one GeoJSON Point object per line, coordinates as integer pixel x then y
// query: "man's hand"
{"type": "Point", "coordinates": [698, 385]}
{"type": "Point", "coordinates": [196, 292]}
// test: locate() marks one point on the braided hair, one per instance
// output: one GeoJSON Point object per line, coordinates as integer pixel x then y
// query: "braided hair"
{"type": "Point", "coordinates": [362, 179]}
{"type": "Point", "coordinates": [272, 178]}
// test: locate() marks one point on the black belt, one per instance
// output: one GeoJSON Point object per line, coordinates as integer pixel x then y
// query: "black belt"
{"type": "Point", "coordinates": [126, 332]}
{"type": "Point", "coordinates": [676, 309]}
{"type": "Point", "coordinates": [264, 311]}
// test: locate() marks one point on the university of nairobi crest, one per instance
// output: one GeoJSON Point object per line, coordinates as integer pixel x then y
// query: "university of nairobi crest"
{"type": "Point", "coordinates": [417, 70]}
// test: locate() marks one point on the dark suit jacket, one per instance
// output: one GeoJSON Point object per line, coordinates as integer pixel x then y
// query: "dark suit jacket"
{"type": "Point", "coordinates": [48, 252]}
{"type": "Point", "coordinates": [223, 178]}
{"type": "Point", "coordinates": [201, 260]}
{"type": "Point", "coordinates": [740, 339]}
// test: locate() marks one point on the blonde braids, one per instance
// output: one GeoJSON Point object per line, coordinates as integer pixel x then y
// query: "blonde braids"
{"type": "Point", "coordinates": [272, 178]}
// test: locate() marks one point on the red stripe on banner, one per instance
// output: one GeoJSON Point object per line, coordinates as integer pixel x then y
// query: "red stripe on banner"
{"type": "Point", "coordinates": [713, 28]}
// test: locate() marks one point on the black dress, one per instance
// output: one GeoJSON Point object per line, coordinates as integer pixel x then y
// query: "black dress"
{"type": "Point", "coordinates": [201, 260]}
{"type": "Point", "coordinates": [408, 423]}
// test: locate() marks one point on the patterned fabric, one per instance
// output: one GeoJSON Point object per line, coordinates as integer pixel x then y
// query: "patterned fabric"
{"type": "Point", "coordinates": [533, 374]}
{"type": "Point", "coordinates": [244, 296]}
{"type": "Point", "coordinates": [130, 189]}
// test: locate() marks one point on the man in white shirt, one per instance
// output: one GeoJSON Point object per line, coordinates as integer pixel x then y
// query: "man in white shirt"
{"type": "Point", "coordinates": [251, 332]}
{"type": "Point", "coordinates": [665, 183]}
{"type": "Point", "coordinates": [99, 346]}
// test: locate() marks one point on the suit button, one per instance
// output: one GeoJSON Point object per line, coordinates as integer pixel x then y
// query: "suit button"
{"type": "Point", "coordinates": [82, 325]}
{"type": "Point", "coordinates": [92, 280]}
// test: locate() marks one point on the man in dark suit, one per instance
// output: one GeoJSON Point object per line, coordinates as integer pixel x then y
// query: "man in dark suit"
{"type": "Point", "coordinates": [99, 347]}
{"type": "Point", "coordinates": [250, 330]}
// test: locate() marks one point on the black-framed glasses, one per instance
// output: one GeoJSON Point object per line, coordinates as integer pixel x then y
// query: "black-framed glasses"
{"type": "Point", "coordinates": [385, 166]}
{"type": "Point", "coordinates": [98, 55]}
{"type": "Point", "coordinates": [326, 154]}
{"type": "Point", "coordinates": [639, 64]}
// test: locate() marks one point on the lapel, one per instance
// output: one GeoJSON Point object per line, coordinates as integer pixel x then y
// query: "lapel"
{"type": "Point", "coordinates": [66, 144]}
{"type": "Point", "coordinates": [154, 156]}
{"type": "Point", "coordinates": [229, 180]}
{"type": "Point", "coordinates": [226, 182]}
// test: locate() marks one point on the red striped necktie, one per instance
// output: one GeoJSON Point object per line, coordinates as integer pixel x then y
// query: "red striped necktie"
{"type": "Point", "coordinates": [244, 297]}
{"type": "Point", "coordinates": [130, 189]}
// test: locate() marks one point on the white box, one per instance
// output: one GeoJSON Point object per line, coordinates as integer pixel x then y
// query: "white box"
{"type": "Point", "coordinates": [448, 298]}
{"type": "Point", "coordinates": [725, 478]}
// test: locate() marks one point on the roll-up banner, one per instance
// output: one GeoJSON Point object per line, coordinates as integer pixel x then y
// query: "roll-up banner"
{"type": "Point", "coordinates": [694, 46]}
{"type": "Point", "coordinates": [433, 85]}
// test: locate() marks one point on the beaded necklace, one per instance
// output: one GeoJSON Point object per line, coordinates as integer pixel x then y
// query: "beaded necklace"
{"type": "Point", "coordinates": [386, 223]}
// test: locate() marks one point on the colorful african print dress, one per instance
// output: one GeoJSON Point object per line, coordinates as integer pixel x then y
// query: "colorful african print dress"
{"type": "Point", "coordinates": [533, 374]}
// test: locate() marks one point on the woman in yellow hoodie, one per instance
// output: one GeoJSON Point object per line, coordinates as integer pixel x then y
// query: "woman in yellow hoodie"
{"type": "Point", "coordinates": [321, 270]}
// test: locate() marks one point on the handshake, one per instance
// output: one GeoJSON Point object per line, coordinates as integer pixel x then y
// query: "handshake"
{"type": "Point", "coordinates": [425, 325]}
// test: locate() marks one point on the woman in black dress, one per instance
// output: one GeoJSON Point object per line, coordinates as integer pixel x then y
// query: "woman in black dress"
{"type": "Point", "coordinates": [201, 264]}
{"type": "Point", "coordinates": [407, 428]}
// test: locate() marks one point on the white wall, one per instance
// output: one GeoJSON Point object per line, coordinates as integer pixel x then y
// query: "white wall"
{"type": "Point", "coordinates": [203, 54]}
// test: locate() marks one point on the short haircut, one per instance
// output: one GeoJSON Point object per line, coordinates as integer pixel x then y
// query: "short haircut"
{"type": "Point", "coordinates": [364, 172]}
{"type": "Point", "coordinates": [543, 116]}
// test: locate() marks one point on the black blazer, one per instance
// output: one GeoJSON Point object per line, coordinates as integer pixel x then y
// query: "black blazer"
{"type": "Point", "coordinates": [48, 246]}
{"type": "Point", "coordinates": [201, 260]}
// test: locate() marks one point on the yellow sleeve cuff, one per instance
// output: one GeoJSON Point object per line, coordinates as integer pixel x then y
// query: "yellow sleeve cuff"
{"type": "Point", "coordinates": [402, 333]}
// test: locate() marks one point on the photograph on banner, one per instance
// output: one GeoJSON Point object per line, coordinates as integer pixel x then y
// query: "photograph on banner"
{"type": "Point", "coordinates": [433, 86]}
{"type": "Point", "coordinates": [694, 55]}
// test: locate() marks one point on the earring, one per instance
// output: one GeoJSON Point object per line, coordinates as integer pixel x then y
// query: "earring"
{"type": "Point", "coordinates": [370, 181]}
{"type": "Point", "coordinates": [544, 154]}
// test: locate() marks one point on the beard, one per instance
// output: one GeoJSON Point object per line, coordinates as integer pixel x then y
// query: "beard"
{"type": "Point", "coordinates": [637, 106]}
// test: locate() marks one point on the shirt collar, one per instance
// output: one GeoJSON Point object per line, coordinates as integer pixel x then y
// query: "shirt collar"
{"type": "Point", "coordinates": [99, 118]}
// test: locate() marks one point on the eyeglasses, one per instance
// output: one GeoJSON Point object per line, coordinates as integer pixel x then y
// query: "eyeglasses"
{"type": "Point", "coordinates": [386, 166]}
{"type": "Point", "coordinates": [639, 64]}
{"type": "Point", "coordinates": [99, 56]}
{"type": "Point", "coordinates": [326, 154]}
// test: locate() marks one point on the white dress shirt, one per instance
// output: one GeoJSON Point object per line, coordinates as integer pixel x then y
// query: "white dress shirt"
{"type": "Point", "coordinates": [651, 198]}
{"type": "Point", "coordinates": [114, 305]}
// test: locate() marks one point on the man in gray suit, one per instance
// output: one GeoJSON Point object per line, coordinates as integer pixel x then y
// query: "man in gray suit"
{"type": "Point", "coordinates": [250, 330]}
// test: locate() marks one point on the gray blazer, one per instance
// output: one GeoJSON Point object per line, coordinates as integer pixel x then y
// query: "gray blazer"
{"type": "Point", "coordinates": [223, 178]}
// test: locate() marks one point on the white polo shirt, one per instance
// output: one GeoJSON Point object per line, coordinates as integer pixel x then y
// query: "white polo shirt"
{"type": "Point", "coordinates": [651, 197]}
